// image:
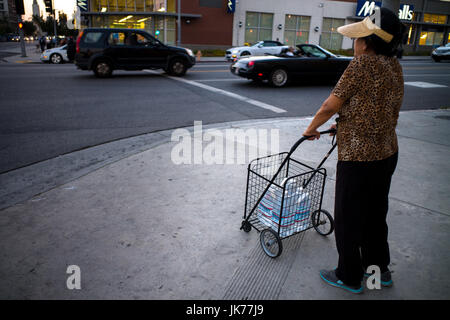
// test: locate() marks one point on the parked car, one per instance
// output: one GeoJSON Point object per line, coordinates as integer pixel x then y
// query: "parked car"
{"type": "Point", "coordinates": [105, 50]}
{"type": "Point", "coordinates": [441, 53]}
{"type": "Point", "coordinates": [310, 61]}
{"type": "Point", "coordinates": [258, 49]}
{"type": "Point", "coordinates": [55, 55]}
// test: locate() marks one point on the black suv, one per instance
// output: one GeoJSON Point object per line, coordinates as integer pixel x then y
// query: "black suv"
{"type": "Point", "coordinates": [104, 50]}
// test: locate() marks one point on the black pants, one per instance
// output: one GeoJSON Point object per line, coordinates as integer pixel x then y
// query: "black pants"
{"type": "Point", "coordinates": [361, 206]}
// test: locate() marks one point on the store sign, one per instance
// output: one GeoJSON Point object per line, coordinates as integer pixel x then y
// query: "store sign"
{"type": "Point", "coordinates": [365, 8]}
{"type": "Point", "coordinates": [83, 5]}
{"type": "Point", "coordinates": [231, 6]}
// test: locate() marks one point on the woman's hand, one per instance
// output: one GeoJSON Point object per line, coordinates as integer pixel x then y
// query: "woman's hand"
{"type": "Point", "coordinates": [333, 126]}
{"type": "Point", "coordinates": [314, 134]}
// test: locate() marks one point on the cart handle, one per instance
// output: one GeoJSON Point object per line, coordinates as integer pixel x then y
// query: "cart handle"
{"type": "Point", "coordinates": [295, 146]}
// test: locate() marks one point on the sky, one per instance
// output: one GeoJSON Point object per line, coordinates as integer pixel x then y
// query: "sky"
{"type": "Point", "coordinates": [67, 6]}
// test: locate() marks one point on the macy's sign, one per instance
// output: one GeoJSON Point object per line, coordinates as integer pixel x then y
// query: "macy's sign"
{"type": "Point", "coordinates": [365, 8]}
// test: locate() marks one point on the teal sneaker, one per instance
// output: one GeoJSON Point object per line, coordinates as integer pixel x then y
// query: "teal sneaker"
{"type": "Point", "coordinates": [385, 278]}
{"type": "Point", "coordinates": [329, 276]}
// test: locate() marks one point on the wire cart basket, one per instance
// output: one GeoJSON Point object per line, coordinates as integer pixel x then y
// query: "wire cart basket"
{"type": "Point", "coordinates": [284, 198]}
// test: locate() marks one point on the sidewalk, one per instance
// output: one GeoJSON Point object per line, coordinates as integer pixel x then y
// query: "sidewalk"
{"type": "Point", "coordinates": [145, 228]}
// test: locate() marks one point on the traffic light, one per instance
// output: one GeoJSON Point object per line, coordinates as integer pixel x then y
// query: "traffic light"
{"type": "Point", "coordinates": [19, 7]}
{"type": "Point", "coordinates": [48, 6]}
{"type": "Point", "coordinates": [20, 25]}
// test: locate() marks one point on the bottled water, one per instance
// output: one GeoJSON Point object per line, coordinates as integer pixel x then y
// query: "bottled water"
{"type": "Point", "coordinates": [296, 208]}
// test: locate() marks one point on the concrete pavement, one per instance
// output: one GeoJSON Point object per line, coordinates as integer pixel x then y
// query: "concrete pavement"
{"type": "Point", "coordinates": [143, 227]}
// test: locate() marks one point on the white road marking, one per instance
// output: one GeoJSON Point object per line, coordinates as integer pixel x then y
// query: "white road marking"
{"type": "Point", "coordinates": [427, 75]}
{"type": "Point", "coordinates": [224, 92]}
{"type": "Point", "coordinates": [213, 80]}
{"type": "Point", "coordinates": [210, 65]}
{"type": "Point", "coordinates": [426, 85]}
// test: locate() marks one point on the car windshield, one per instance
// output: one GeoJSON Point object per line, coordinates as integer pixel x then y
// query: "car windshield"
{"type": "Point", "coordinates": [328, 52]}
{"type": "Point", "coordinates": [447, 45]}
{"type": "Point", "coordinates": [257, 44]}
{"type": "Point", "coordinates": [312, 51]}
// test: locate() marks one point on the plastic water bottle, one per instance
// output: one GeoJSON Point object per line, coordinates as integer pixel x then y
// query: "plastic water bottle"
{"type": "Point", "coordinates": [303, 211]}
{"type": "Point", "coordinates": [296, 208]}
{"type": "Point", "coordinates": [288, 215]}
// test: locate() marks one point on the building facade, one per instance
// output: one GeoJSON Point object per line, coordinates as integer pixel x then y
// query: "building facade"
{"type": "Point", "coordinates": [211, 24]}
{"type": "Point", "coordinates": [3, 8]}
{"type": "Point", "coordinates": [204, 23]}
{"type": "Point", "coordinates": [316, 21]}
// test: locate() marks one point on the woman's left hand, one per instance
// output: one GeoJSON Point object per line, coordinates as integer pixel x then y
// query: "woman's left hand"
{"type": "Point", "coordinates": [314, 134]}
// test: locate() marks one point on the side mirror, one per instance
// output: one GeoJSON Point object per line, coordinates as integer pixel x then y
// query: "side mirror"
{"type": "Point", "coordinates": [260, 45]}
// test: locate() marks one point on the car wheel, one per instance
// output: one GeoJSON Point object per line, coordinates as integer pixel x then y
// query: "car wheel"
{"type": "Point", "coordinates": [245, 53]}
{"type": "Point", "coordinates": [436, 59]}
{"type": "Point", "coordinates": [102, 69]}
{"type": "Point", "coordinates": [177, 68]}
{"type": "Point", "coordinates": [56, 58]}
{"type": "Point", "coordinates": [279, 78]}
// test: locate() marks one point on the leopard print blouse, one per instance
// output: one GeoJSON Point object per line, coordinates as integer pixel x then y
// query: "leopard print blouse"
{"type": "Point", "coordinates": [372, 87]}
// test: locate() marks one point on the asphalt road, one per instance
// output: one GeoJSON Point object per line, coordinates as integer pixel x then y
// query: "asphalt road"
{"type": "Point", "coordinates": [49, 110]}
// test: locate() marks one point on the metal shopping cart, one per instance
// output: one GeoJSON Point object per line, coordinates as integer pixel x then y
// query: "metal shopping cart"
{"type": "Point", "coordinates": [284, 198]}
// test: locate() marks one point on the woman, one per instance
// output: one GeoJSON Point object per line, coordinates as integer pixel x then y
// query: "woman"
{"type": "Point", "coordinates": [367, 98]}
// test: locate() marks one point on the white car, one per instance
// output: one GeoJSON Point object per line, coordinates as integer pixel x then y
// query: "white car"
{"type": "Point", "coordinates": [441, 53]}
{"type": "Point", "coordinates": [258, 49]}
{"type": "Point", "coordinates": [55, 55]}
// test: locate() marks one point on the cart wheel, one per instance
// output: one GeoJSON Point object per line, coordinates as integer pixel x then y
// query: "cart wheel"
{"type": "Point", "coordinates": [271, 243]}
{"type": "Point", "coordinates": [246, 226]}
{"type": "Point", "coordinates": [323, 222]}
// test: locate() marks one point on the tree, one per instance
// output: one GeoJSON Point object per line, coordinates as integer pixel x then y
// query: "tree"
{"type": "Point", "coordinates": [61, 25]}
{"type": "Point", "coordinates": [29, 28]}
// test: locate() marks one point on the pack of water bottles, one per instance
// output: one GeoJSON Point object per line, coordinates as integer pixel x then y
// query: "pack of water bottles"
{"type": "Point", "coordinates": [287, 209]}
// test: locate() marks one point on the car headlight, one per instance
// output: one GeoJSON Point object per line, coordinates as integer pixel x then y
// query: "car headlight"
{"type": "Point", "coordinates": [189, 52]}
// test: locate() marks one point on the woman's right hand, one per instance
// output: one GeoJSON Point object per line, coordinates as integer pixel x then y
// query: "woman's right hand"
{"type": "Point", "coordinates": [333, 126]}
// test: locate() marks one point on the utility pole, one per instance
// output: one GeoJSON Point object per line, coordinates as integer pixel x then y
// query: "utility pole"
{"type": "Point", "coordinates": [54, 24]}
{"type": "Point", "coordinates": [21, 35]}
{"type": "Point", "coordinates": [179, 23]}
{"type": "Point", "coordinates": [20, 10]}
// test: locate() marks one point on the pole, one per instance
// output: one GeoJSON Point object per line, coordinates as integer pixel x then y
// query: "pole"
{"type": "Point", "coordinates": [54, 27]}
{"type": "Point", "coordinates": [21, 35]}
{"type": "Point", "coordinates": [179, 23]}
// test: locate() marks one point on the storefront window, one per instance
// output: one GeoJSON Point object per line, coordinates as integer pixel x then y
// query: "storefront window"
{"type": "Point", "coordinates": [133, 5]}
{"type": "Point", "coordinates": [130, 5]}
{"type": "Point", "coordinates": [112, 5]}
{"type": "Point", "coordinates": [140, 5]}
{"type": "Point", "coordinates": [171, 6]}
{"type": "Point", "coordinates": [435, 18]}
{"type": "Point", "coordinates": [160, 6]}
{"type": "Point", "coordinates": [430, 38]}
{"type": "Point", "coordinates": [296, 29]}
{"type": "Point", "coordinates": [330, 38]}
{"type": "Point", "coordinates": [149, 5]}
{"type": "Point", "coordinates": [258, 26]}
{"type": "Point", "coordinates": [121, 5]}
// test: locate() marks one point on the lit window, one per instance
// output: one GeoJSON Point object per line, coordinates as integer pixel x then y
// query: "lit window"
{"type": "Point", "coordinates": [434, 18]}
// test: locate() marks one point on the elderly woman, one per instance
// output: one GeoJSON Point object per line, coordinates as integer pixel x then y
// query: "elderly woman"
{"type": "Point", "coordinates": [367, 99]}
